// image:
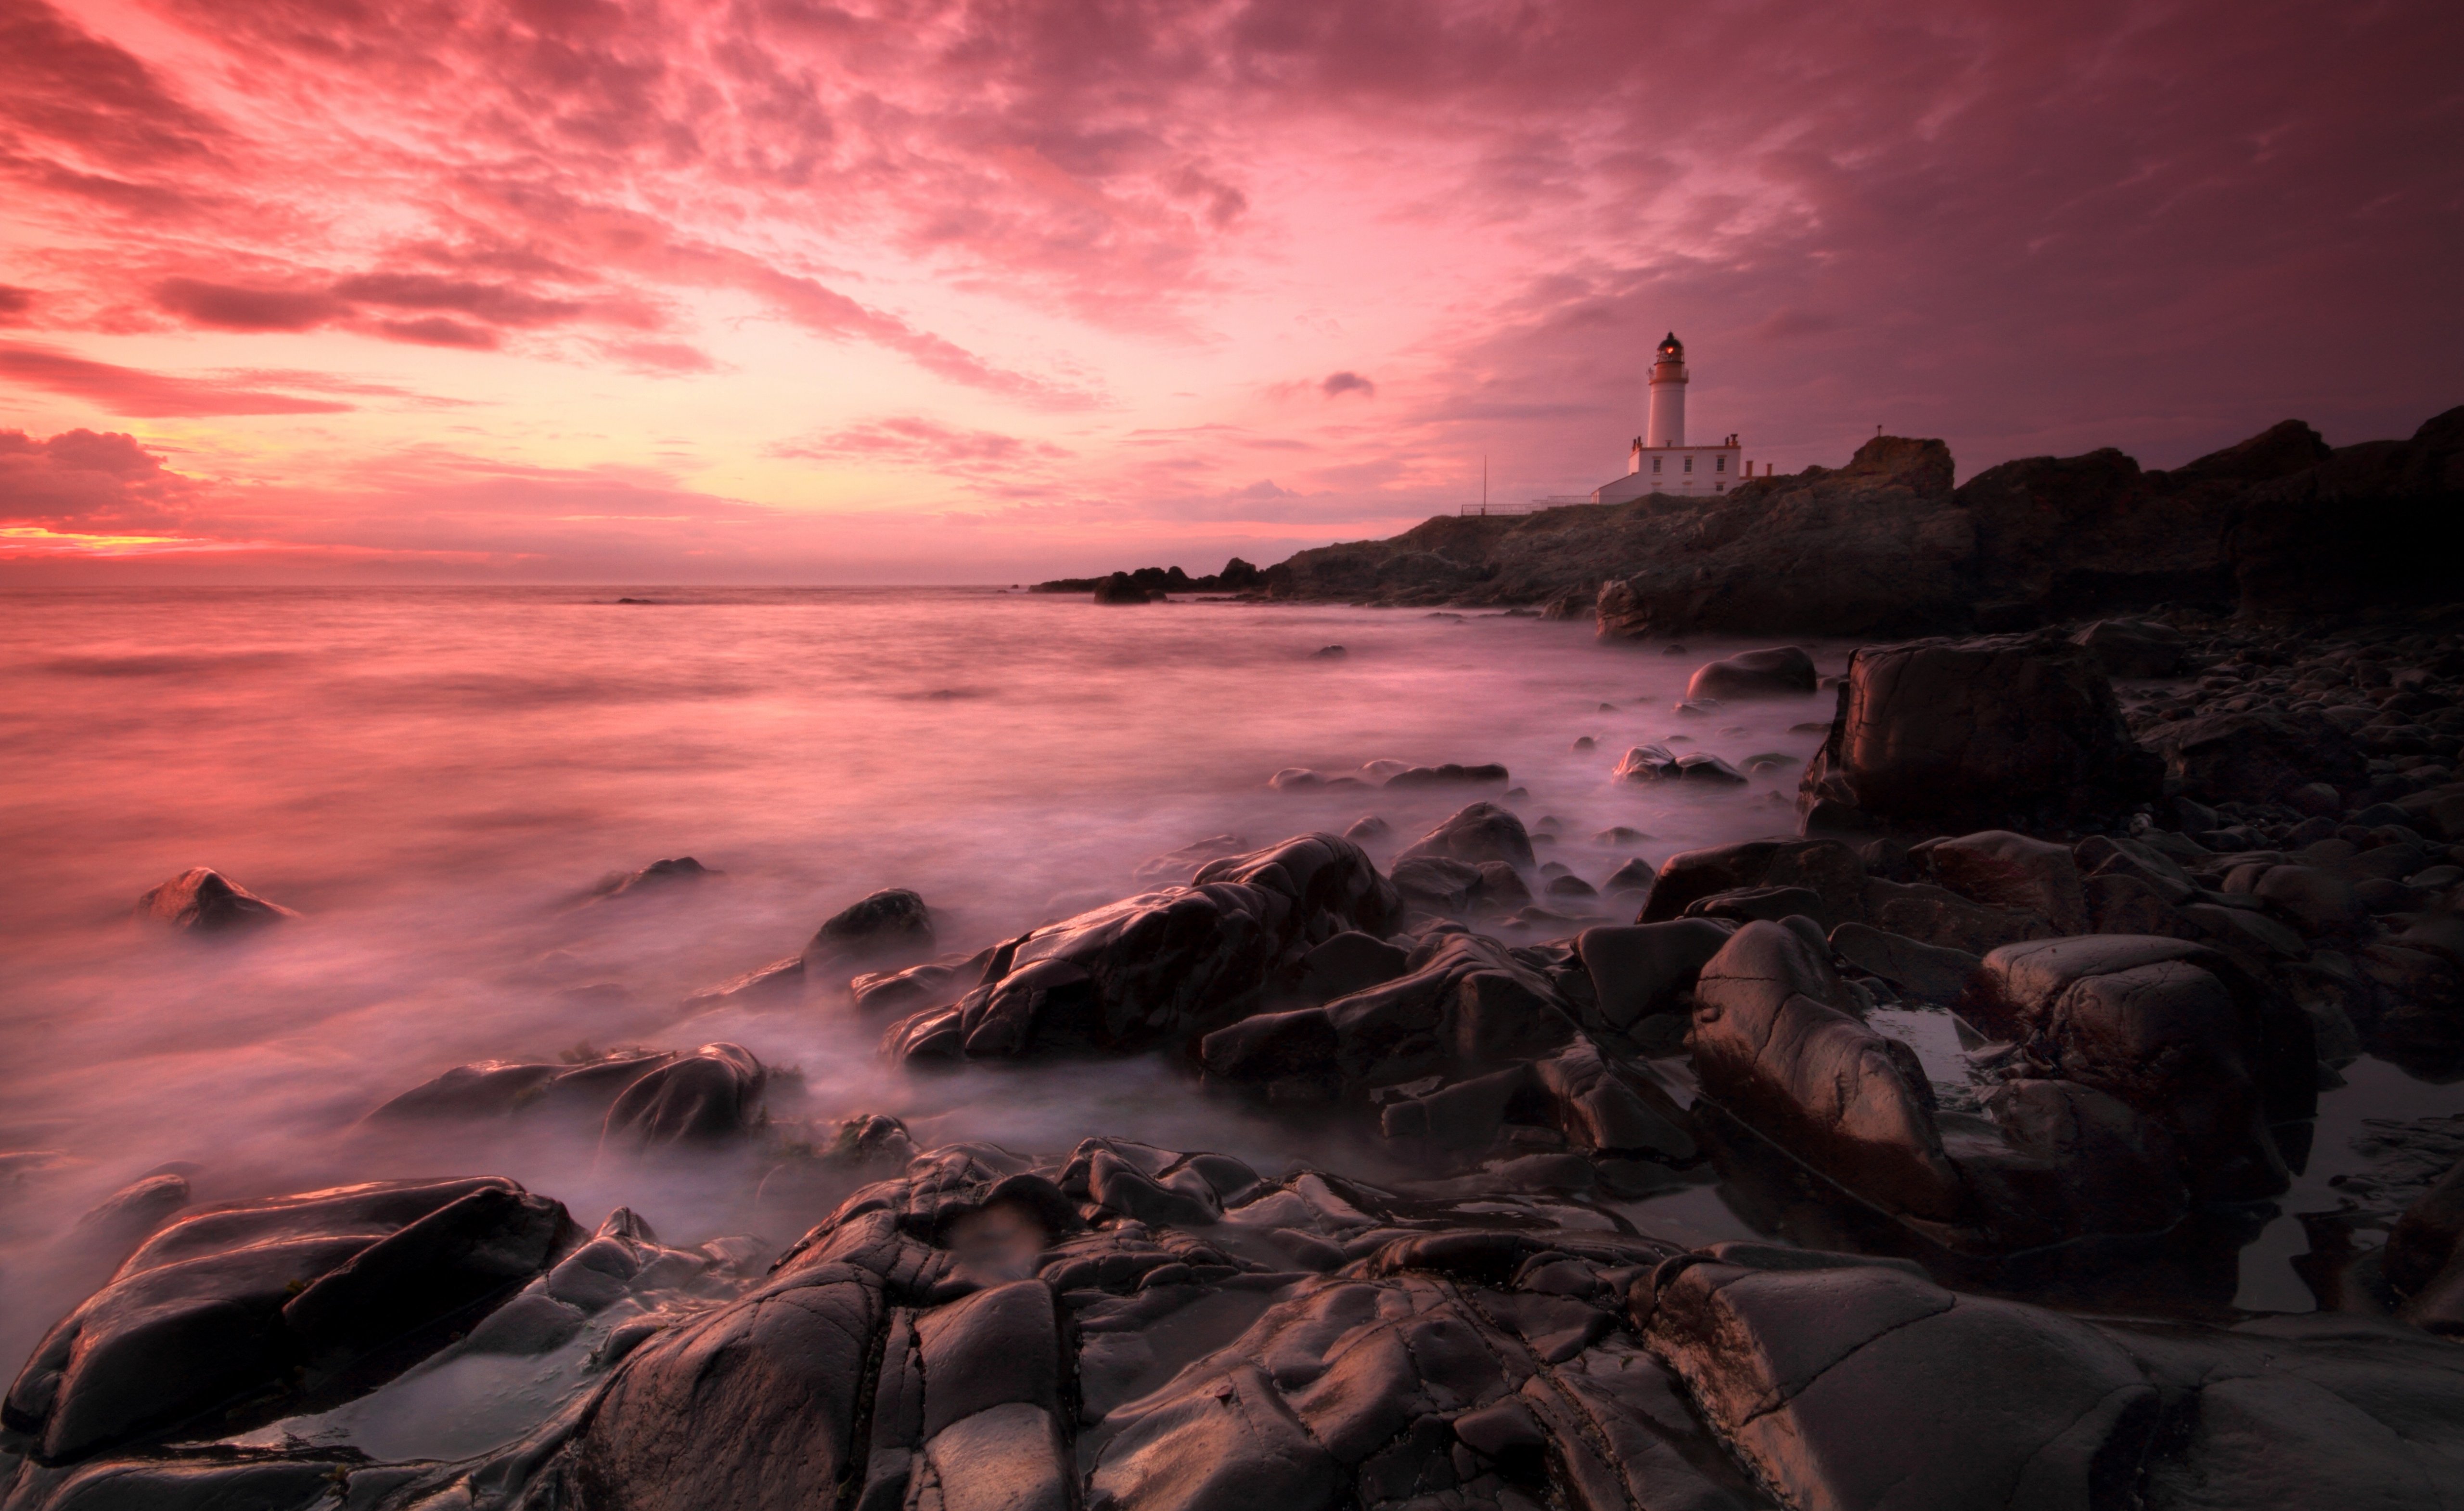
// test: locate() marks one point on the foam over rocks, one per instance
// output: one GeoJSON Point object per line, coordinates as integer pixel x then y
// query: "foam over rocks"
{"type": "Point", "coordinates": [2006, 1061]}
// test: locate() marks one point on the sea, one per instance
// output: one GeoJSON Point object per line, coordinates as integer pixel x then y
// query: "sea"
{"type": "Point", "coordinates": [438, 779]}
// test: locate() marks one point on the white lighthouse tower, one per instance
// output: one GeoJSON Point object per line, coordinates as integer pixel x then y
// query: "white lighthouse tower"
{"type": "Point", "coordinates": [1660, 461]}
{"type": "Point", "coordinates": [1667, 424]}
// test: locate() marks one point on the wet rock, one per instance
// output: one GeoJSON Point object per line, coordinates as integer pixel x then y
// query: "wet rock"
{"type": "Point", "coordinates": [1936, 917]}
{"type": "Point", "coordinates": [1827, 867]}
{"type": "Point", "coordinates": [113, 1227]}
{"type": "Point", "coordinates": [201, 900]}
{"type": "Point", "coordinates": [1473, 1039]}
{"type": "Point", "coordinates": [2173, 1030]}
{"type": "Point", "coordinates": [2255, 757]}
{"type": "Point", "coordinates": [1479, 833]}
{"type": "Point", "coordinates": [658, 876]}
{"type": "Point", "coordinates": [1630, 879]}
{"type": "Point", "coordinates": [1447, 776]}
{"type": "Point", "coordinates": [880, 992]}
{"type": "Point", "coordinates": [778, 983]}
{"type": "Point", "coordinates": [1162, 968]}
{"type": "Point", "coordinates": [2133, 648]}
{"type": "Point", "coordinates": [1657, 763]}
{"type": "Point", "coordinates": [1368, 830]}
{"type": "Point", "coordinates": [1783, 672]}
{"type": "Point", "coordinates": [2422, 1262]}
{"type": "Point", "coordinates": [494, 1088]}
{"type": "Point", "coordinates": [1173, 867]}
{"type": "Point", "coordinates": [1774, 1042]}
{"type": "Point", "coordinates": [264, 1309]}
{"type": "Point", "coordinates": [1438, 886]}
{"type": "Point", "coordinates": [1928, 972]}
{"type": "Point", "coordinates": [2103, 855]}
{"type": "Point", "coordinates": [2015, 873]}
{"type": "Point", "coordinates": [1817, 1376]}
{"type": "Point", "coordinates": [1352, 961]}
{"type": "Point", "coordinates": [2316, 901]}
{"type": "Point", "coordinates": [1969, 735]}
{"type": "Point", "coordinates": [1770, 903]}
{"type": "Point", "coordinates": [891, 925]}
{"type": "Point", "coordinates": [1638, 970]}
{"type": "Point", "coordinates": [706, 1097]}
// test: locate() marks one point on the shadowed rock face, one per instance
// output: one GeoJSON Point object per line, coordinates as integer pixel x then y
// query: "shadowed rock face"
{"type": "Point", "coordinates": [263, 1309]}
{"type": "Point", "coordinates": [2278, 524]}
{"type": "Point", "coordinates": [1961, 735]}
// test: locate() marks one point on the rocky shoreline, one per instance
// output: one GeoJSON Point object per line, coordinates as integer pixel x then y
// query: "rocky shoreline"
{"type": "Point", "coordinates": [2165, 877]}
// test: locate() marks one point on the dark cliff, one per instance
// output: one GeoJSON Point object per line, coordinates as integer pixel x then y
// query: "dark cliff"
{"type": "Point", "coordinates": [2279, 523]}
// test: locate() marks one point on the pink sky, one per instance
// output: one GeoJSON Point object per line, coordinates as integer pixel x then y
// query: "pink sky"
{"type": "Point", "coordinates": [786, 291]}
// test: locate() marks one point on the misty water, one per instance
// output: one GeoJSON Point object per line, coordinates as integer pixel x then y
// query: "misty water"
{"type": "Point", "coordinates": [436, 779]}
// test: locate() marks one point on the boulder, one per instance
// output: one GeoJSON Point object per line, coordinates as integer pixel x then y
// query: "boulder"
{"type": "Point", "coordinates": [891, 925]}
{"type": "Point", "coordinates": [1937, 916]}
{"type": "Point", "coordinates": [2013, 731]}
{"type": "Point", "coordinates": [1473, 1039]}
{"type": "Point", "coordinates": [1162, 968]}
{"type": "Point", "coordinates": [709, 1096]}
{"type": "Point", "coordinates": [1928, 972]}
{"type": "Point", "coordinates": [2173, 1030]}
{"type": "Point", "coordinates": [2011, 871]}
{"type": "Point", "coordinates": [1782, 671]}
{"type": "Point", "coordinates": [1774, 1043]}
{"type": "Point", "coordinates": [2258, 757]}
{"type": "Point", "coordinates": [201, 900]}
{"type": "Point", "coordinates": [1638, 970]}
{"type": "Point", "coordinates": [1173, 867]}
{"type": "Point", "coordinates": [2316, 901]}
{"type": "Point", "coordinates": [266, 1310]}
{"type": "Point", "coordinates": [2133, 648]}
{"type": "Point", "coordinates": [496, 1089]}
{"type": "Point", "coordinates": [1830, 869]}
{"type": "Point", "coordinates": [2423, 1261]}
{"type": "Point", "coordinates": [1657, 763]}
{"type": "Point", "coordinates": [1478, 833]}
{"type": "Point", "coordinates": [1864, 1386]}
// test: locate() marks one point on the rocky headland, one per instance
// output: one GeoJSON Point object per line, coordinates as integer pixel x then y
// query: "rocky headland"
{"type": "Point", "coordinates": [2157, 878]}
{"type": "Point", "coordinates": [2279, 524]}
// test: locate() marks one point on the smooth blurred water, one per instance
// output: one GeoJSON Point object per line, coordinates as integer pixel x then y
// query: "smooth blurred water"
{"type": "Point", "coordinates": [433, 778]}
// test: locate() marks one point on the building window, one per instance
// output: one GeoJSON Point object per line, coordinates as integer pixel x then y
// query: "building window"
{"type": "Point", "coordinates": [1655, 463]}
{"type": "Point", "coordinates": [1718, 464]}
{"type": "Point", "coordinates": [1719, 488]}
{"type": "Point", "coordinates": [1689, 463]}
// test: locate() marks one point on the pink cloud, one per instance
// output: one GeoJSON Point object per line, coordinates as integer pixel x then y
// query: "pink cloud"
{"type": "Point", "coordinates": [131, 391]}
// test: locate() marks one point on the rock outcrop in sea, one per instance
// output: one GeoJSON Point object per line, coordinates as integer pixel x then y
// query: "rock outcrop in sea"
{"type": "Point", "coordinates": [1886, 546]}
{"type": "Point", "coordinates": [2007, 1044]}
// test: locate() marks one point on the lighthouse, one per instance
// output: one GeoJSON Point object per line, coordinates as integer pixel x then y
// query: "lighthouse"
{"type": "Point", "coordinates": [1667, 424]}
{"type": "Point", "coordinates": [1661, 462]}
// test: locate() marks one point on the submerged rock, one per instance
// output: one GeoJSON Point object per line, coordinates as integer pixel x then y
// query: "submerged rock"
{"type": "Point", "coordinates": [1476, 834]}
{"type": "Point", "coordinates": [889, 925]}
{"type": "Point", "coordinates": [1782, 671]}
{"type": "Point", "coordinates": [1160, 969]}
{"type": "Point", "coordinates": [201, 900]}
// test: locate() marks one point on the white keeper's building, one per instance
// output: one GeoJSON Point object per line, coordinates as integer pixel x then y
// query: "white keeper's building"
{"type": "Point", "coordinates": [1660, 461]}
